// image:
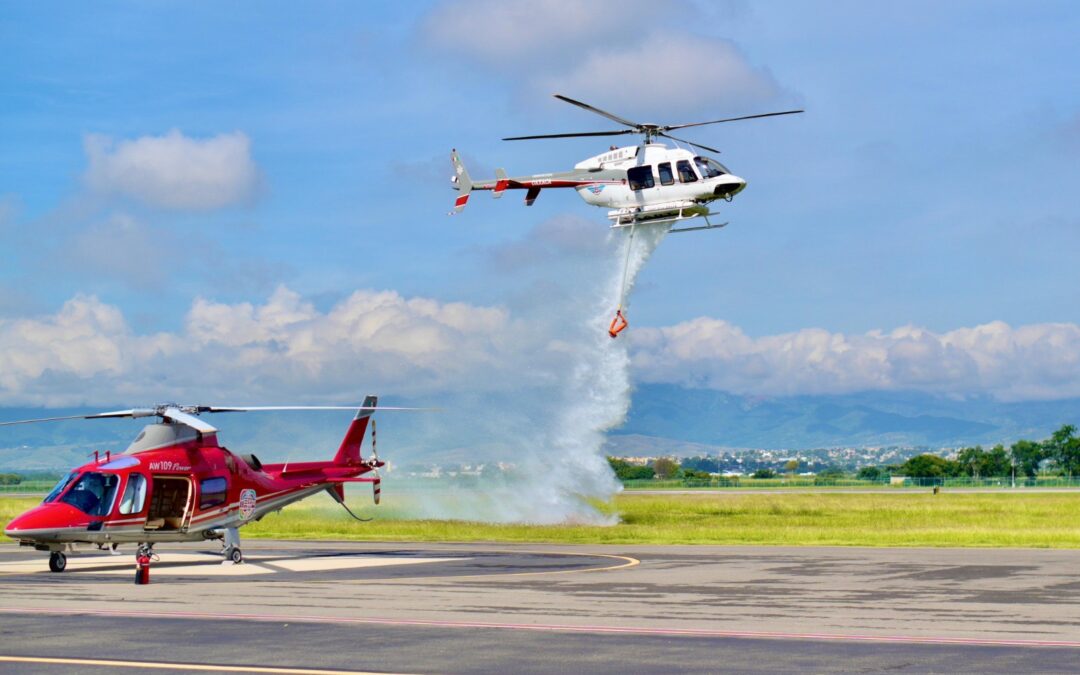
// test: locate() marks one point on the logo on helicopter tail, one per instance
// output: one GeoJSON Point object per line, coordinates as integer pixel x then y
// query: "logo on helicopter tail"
{"type": "Point", "coordinates": [247, 503]}
{"type": "Point", "coordinates": [596, 189]}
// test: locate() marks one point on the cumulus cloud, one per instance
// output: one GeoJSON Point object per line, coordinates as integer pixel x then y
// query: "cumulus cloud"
{"type": "Point", "coordinates": [282, 347]}
{"type": "Point", "coordinates": [684, 73]}
{"type": "Point", "coordinates": [86, 340]}
{"type": "Point", "coordinates": [590, 50]}
{"type": "Point", "coordinates": [518, 33]}
{"type": "Point", "coordinates": [285, 347]}
{"type": "Point", "coordinates": [555, 239]}
{"type": "Point", "coordinates": [174, 171]}
{"type": "Point", "coordinates": [1039, 361]}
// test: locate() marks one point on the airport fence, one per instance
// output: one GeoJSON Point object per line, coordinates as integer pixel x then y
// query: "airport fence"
{"type": "Point", "coordinates": [897, 483]}
{"type": "Point", "coordinates": [30, 487]}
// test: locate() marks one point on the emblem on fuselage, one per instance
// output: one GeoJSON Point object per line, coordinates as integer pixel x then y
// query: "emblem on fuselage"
{"type": "Point", "coordinates": [247, 503]}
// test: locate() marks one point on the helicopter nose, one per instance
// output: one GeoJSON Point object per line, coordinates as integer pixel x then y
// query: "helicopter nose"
{"type": "Point", "coordinates": [729, 186]}
{"type": "Point", "coordinates": [42, 522]}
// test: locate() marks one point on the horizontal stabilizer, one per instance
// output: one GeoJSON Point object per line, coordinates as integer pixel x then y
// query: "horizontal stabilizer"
{"type": "Point", "coordinates": [501, 183]}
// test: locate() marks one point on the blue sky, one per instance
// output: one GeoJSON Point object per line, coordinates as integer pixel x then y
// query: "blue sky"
{"type": "Point", "coordinates": [930, 188]}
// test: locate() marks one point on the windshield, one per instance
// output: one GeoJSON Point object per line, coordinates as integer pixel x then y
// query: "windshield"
{"type": "Point", "coordinates": [93, 493]}
{"type": "Point", "coordinates": [710, 168]}
{"type": "Point", "coordinates": [64, 482]}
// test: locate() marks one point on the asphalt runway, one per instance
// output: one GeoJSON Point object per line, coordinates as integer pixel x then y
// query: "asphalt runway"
{"type": "Point", "coordinates": [332, 607]}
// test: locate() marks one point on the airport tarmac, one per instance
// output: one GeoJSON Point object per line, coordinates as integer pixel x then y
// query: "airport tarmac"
{"type": "Point", "coordinates": [425, 608]}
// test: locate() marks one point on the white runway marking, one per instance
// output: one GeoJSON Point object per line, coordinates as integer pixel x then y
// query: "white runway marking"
{"type": "Point", "coordinates": [349, 562]}
{"type": "Point", "coordinates": [193, 564]}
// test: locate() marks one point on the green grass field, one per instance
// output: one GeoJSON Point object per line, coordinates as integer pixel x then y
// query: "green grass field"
{"type": "Point", "coordinates": [1043, 520]}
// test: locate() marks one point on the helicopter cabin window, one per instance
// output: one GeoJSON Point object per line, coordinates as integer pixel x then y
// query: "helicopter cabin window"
{"type": "Point", "coordinates": [710, 168]}
{"type": "Point", "coordinates": [640, 177]}
{"type": "Point", "coordinates": [686, 172]}
{"type": "Point", "coordinates": [212, 492]}
{"type": "Point", "coordinates": [60, 487]}
{"type": "Point", "coordinates": [134, 494]}
{"type": "Point", "coordinates": [93, 493]}
{"type": "Point", "coordinates": [666, 177]}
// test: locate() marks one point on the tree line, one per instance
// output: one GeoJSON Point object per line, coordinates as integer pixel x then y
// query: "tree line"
{"type": "Point", "coordinates": [1059, 454]}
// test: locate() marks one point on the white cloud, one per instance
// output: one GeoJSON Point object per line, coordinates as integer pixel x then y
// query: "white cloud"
{"type": "Point", "coordinates": [504, 35]}
{"type": "Point", "coordinates": [678, 73]}
{"type": "Point", "coordinates": [285, 348]}
{"type": "Point", "coordinates": [1038, 361]}
{"type": "Point", "coordinates": [86, 340]}
{"type": "Point", "coordinates": [174, 171]}
{"type": "Point", "coordinates": [550, 241]}
{"type": "Point", "coordinates": [623, 56]}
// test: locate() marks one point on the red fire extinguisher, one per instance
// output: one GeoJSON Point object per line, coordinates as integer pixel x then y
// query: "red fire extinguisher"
{"type": "Point", "coordinates": [142, 568]}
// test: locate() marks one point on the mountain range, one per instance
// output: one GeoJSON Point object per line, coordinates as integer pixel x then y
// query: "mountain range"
{"type": "Point", "coordinates": [664, 419]}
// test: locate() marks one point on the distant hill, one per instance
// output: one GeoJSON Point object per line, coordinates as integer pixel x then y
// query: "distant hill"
{"type": "Point", "coordinates": [718, 418]}
{"type": "Point", "coordinates": [664, 419]}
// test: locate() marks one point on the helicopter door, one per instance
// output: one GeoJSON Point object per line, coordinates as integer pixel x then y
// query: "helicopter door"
{"type": "Point", "coordinates": [686, 172]}
{"type": "Point", "coordinates": [640, 177]}
{"type": "Point", "coordinates": [170, 504]}
{"type": "Point", "coordinates": [666, 177]}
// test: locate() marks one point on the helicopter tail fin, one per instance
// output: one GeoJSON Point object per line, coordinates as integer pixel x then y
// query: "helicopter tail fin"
{"type": "Point", "coordinates": [462, 182]}
{"type": "Point", "coordinates": [349, 450]}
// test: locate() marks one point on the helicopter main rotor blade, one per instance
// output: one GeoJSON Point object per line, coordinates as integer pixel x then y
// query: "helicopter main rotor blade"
{"type": "Point", "coordinates": [730, 119]}
{"type": "Point", "coordinates": [598, 111]}
{"type": "Point", "coordinates": [573, 135]}
{"type": "Point", "coordinates": [696, 145]}
{"type": "Point", "coordinates": [177, 415]}
{"type": "Point", "coordinates": [187, 414]}
{"type": "Point", "coordinates": [97, 416]}
{"type": "Point", "coordinates": [263, 408]}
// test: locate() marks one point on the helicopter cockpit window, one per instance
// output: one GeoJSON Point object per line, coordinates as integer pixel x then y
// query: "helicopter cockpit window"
{"type": "Point", "coordinates": [55, 492]}
{"type": "Point", "coordinates": [710, 168]}
{"type": "Point", "coordinates": [686, 172]}
{"type": "Point", "coordinates": [640, 177]}
{"type": "Point", "coordinates": [666, 177]}
{"type": "Point", "coordinates": [134, 494]}
{"type": "Point", "coordinates": [212, 492]}
{"type": "Point", "coordinates": [93, 493]}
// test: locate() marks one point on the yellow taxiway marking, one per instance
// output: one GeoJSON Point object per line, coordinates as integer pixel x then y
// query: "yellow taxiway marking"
{"type": "Point", "coordinates": [203, 667]}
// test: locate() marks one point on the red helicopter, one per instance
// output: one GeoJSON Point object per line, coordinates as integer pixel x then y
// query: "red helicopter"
{"type": "Point", "coordinates": [176, 483]}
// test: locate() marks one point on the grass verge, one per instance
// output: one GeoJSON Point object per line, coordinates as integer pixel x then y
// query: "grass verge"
{"type": "Point", "coordinates": [1042, 520]}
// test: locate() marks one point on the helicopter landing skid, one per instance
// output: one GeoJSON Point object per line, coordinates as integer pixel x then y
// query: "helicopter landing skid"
{"type": "Point", "coordinates": [707, 226]}
{"type": "Point", "coordinates": [662, 215]}
{"type": "Point", "coordinates": [666, 219]}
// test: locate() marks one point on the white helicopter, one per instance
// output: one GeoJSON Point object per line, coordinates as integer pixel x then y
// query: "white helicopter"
{"type": "Point", "coordinates": [646, 184]}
